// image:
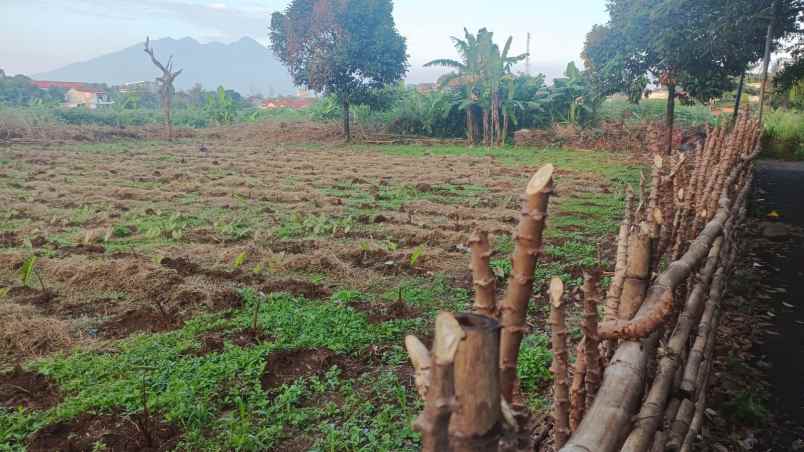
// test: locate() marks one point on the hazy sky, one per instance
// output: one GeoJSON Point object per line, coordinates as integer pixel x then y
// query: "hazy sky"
{"type": "Point", "coordinates": [40, 35]}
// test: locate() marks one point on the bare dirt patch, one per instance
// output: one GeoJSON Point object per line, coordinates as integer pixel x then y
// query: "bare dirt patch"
{"type": "Point", "coordinates": [118, 433]}
{"type": "Point", "coordinates": [30, 390]}
{"type": "Point", "coordinates": [214, 341]}
{"type": "Point", "coordinates": [379, 313]}
{"type": "Point", "coordinates": [284, 367]}
{"type": "Point", "coordinates": [298, 287]}
{"type": "Point", "coordinates": [138, 319]}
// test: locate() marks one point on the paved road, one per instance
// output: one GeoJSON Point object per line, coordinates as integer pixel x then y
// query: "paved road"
{"type": "Point", "coordinates": [781, 188]}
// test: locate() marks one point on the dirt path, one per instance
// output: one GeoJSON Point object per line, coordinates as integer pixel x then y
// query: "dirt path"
{"type": "Point", "coordinates": [779, 189]}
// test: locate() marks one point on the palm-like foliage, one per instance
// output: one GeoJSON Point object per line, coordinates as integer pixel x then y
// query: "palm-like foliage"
{"type": "Point", "coordinates": [482, 73]}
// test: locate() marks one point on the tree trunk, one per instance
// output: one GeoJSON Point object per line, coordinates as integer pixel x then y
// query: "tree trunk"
{"type": "Point", "coordinates": [737, 99]}
{"type": "Point", "coordinates": [504, 134]}
{"type": "Point", "coordinates": [766, 62]}
{"type": "Point", "coordinates": [168, 120]}
{"type": "Point", "coordinates": [347, 132]}
{"type": "Point", "coordinates": [482, 277]}
{"type": "Point", "coordinates": [470, 127]}
{"type": "Point", "coordinates": [670, 118]}
{"type": "Point", "coordinates": [486, 137]}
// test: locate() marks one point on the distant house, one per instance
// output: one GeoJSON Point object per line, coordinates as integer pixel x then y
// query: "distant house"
{"type": "Point", "coordinates": [78, 94]}
{"type": "Point", "coordinates": [139, 87]}
{"type": "Point", "coordinates": [294, 103]}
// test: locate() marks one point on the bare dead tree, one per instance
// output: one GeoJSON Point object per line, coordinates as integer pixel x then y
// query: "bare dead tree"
{"type": "Point", "coordinates": [166, 89]}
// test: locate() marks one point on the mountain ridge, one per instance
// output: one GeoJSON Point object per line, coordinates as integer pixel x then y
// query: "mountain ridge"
{"type": "Point", "coordinates": [244, 65]}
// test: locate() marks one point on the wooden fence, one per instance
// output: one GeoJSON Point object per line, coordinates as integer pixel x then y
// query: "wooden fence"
{"type": "Point", "coordinates": [640, 376]}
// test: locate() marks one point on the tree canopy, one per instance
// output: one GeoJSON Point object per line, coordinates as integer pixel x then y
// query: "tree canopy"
{"type": "Point", "coordinates": [20, 90]}
{"type": "Point", "coordinates": [345, 48]}
{"type": "Point", "coordinates": [699, 45]}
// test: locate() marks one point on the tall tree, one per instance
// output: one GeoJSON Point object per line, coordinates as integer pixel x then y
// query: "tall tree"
{"type": "Point", "coordinates": [346, 48]}
{"type": "Point", "coordinates": [484, 74]}
{"type": "Point", "coordinates": [698, 45]}
{"type": "Point", "coordinates": [466, 74]}
{"type": "Point", "coordinates": [166, 89]}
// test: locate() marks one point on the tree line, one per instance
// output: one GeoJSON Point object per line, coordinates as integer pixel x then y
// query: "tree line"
{"type": "Point", "coordinates": [696, 49]}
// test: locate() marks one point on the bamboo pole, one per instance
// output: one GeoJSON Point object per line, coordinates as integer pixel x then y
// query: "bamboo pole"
{"type": "Point", "coordinates": [528, 239]}
{"type": "Point", "coordinates": [475, 425]}
{"type": "Point", "coordinates": [482, 276]}
{"type": "Point", "coordinates": [560, 363]}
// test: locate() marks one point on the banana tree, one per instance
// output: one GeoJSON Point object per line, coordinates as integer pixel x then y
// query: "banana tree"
{"type": "Point", "coordinates": [496, 68]}
{"type": "Point", "coordinates": [466, 76]}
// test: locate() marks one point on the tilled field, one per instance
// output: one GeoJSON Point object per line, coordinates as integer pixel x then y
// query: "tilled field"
{"type": "Point", "coordinates": [134, 329]}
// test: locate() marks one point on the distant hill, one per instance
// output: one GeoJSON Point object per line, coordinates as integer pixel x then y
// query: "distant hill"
{"type": "Point", "coordinates": [245, 66]}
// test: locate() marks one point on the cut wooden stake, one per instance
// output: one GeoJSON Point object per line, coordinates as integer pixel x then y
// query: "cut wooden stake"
{"type": "Point", "coordinates": [591, 298]}
{"type": "Point", "coordinates": [476, 423]}
{"type": "Point", "coordinates": [578, 388]}
{"type": "Point", "coordinates": [482, 276]}
{"type": "Point", "coordinates": [561, 400]}
{"type": "Point", "coordinates": [616, 287]}
{"type": "Point", "coordinates": [433, 422]}
{"type": "Point", "coordinates": [422, 364]}
{"type": "Point", "coordinates": [528, 239]}
{"type": "Point", "coordinates": [636, 273]}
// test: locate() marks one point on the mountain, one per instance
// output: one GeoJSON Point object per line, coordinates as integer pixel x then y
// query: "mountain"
{"type": "Point", "coordinates": [245, 66]}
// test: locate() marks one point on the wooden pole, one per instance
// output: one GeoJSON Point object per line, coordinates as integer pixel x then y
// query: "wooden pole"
{"type": "Point", "coordinates": [737, 99]}
{"type": "Point", "coordinates": [766, 61]}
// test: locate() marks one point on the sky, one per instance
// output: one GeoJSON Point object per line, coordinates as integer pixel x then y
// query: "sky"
{"type": "Point", "coordinates": [41, 35]}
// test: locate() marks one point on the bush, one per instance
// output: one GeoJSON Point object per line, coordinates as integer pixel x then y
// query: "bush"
{"type": "Point", "coordinates": [784, 135]}
{"type": "Point", "coordinates": [616, 109]}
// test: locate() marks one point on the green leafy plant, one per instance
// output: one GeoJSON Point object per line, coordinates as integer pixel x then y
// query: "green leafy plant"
{"type": "Point", "coordinates": [29, 270]}
{"type": "Point", "coordinates": [240, 260]}
{"type": "Point", "coordinates": [417, 253]}
{"type": "Point", "coordinates": [533, 366]}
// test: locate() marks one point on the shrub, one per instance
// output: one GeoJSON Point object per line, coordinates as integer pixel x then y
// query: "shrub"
{"type": "Point", "coordinates": [784, 135]}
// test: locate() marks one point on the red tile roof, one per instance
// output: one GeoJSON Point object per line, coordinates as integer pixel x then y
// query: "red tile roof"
{"type": "Point", "coordinates": [288, 102]}
{"type": "Point", "coordinates": [43, 84]}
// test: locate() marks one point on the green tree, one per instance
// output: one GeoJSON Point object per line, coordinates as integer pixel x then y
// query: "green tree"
{"type": "Point", "coordinates": [466, 75]}
{"type": "Point", "coordinates": [700, 45]}
{"type": "Point", "coordinates": [346, 48]}
{"type": "Point", "coordinates": [483, 74]}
